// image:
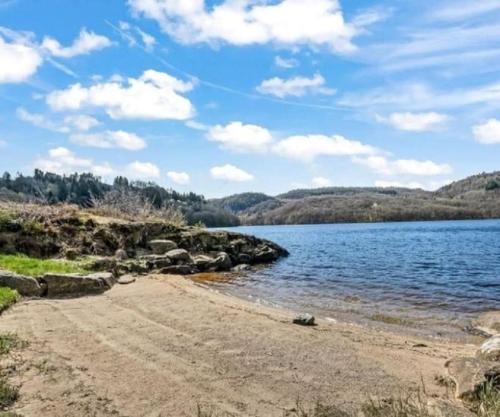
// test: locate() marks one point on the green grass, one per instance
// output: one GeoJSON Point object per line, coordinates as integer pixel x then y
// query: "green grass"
{"type": "Point", "coordinates": [488, 401]}
{"type": "Point", "coordinates": [7, 298]}
{"type": "Point", "coordinates": [10, 341]}
{"type": "Point", "coordinates": [8, 394]}
{"type": "Point", "coordinates": [24, 265]}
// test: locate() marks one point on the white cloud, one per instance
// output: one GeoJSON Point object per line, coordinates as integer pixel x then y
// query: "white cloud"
{"type": "Point", "coordinates": [465, 9]}
{"type": "Point", "coordinates": [239, 137]}
{"type": "Point", "coordinates": [230, 173]}
{"type": "Point", "coordinates": [110, 139]}
{"type": "Point", "coordinates": [180, 178]}
{"type": "Point", "coordinates": [488, 133]}
{"type": "Point", "coordinates": [129, 34]}
{"type": "Point", "coordinates": [193, 124]}
{"type": "Point", "coordinates": [382, 165]}
{"type": "Point", "coordinates": [286, 22]}
{"type": "Point", "coordinates": [70, 123]}
{"type": "Point", "coordinates": [63, 161]}
{"type": "Point", "coordinates": [296, 86]}
{"type": "Point", "coordinates": [148, 40]}
{"type": "Point", "coordinates": [422, 96]}
{"type": "Point", "coordinates": [154, 95]}
{"type": "Point", "coordinates": [307, 148]}
{"type": "Point", "coordinates": [143, 170]}
{"type": "Point", "coordinates": [321, 182]}
{"type": "Point", "coordinates": [81, 122]}
{"type": "Point", "coordinates": [84, 44]}
{"type": "Point", "coordinates": [286, 63]}
{"type": "Point", "coordinates": [415, 122]}
{"type": "Point", "coordinates": [19, 61]}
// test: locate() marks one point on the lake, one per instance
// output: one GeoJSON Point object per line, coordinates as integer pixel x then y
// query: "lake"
{"type": "Point", "coordinates": [439, 272]}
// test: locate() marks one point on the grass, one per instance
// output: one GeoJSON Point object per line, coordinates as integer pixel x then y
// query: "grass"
{"type": "Point", "coordinates": [488, 401]}
{"type": "Point", "coordinates": [10, 341]}
{"type": "Point", "coordinates": [24, 265]}
{"type": "Point", "coordinates": [7, 298]}
{"type": "Point", "coordinates": [8, 393]}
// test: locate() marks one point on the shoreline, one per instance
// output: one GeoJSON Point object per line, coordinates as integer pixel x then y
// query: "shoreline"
{"type": "Point", "coordinates": [171, 343]}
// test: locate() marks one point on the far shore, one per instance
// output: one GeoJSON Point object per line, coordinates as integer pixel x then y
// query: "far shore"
{"type": "Point", "coordinates": [163, 345]}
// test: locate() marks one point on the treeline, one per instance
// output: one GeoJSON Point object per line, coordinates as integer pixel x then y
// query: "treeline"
{"type": "Point", "coordinates": [87, 190]}
{"type": "Point", "coordinates": [476, 197]}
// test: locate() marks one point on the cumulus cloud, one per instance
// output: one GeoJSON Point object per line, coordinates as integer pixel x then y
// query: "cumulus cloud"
{"type": "Point", "coordinates": [296, 86]}
{"type": "Point", "coordinates": [307, 148]}
{"type": "Point", "coordinates": [239, 137]}
{"type": "Point", "coordinates": [286, 63]}
{"type": "Point", "coordinates": [110, 139]}
{"type": "Point", "coordinates": [286, 22]}
{"type": "Point", "coordinates": [68, 124]}
{"type": "Point", "coordinates": [321, 182]}
{"type": "Point", "coordinates": [415, 122]}
{"type": "Point", "coordinates": [488, 133]}
{"type": "Point", "coordinates": [84, 44]}
{"type": "Point", "coordinates": [230, 173]}
{"type": "Point", "coordinates": [19, 61]}
{"type": "Point", "coordinates": [383, 165]}
{"type": "Point", "coordinates": [143, 170]}
{"type": "Point", "coordinates": [179, 178]}
{"type": "Point", "coordinates": [63, 161]}
{"type": "Point", "coordinates": [154, 95]}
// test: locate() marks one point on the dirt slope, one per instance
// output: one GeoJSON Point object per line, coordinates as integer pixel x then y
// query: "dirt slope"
{"type": "Point", "coordinates": [162, 345]}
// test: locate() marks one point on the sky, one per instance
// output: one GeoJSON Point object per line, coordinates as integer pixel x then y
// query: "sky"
{"type": "Point", "coordinates": [228, 96]}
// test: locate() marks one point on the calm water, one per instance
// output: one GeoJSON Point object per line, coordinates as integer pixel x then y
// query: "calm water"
{"type": "Point", "coordinates": [425, 270]}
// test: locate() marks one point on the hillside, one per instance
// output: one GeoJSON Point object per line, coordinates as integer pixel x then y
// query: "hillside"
{"type": "Point", "coordinates": [132, 197]}
{"type": "Point", "coordinates": [475, 197]}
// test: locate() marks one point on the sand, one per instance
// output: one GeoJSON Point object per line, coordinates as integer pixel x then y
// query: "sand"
{"type": "Point", "coordinates": [163, 345]}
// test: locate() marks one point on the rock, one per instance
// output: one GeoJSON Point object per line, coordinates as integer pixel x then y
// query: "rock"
{"type": "Point", "coordinates": [107, 277]}
{"type": "Point", "coordinates": [102, 264]}
{"type": "Point", "coordinates": [126, 279]}
{"type": "Point", "coordinates": [468, 374]}
{"type": "Point", "coordinates": [202, 261]}
{"type": "Point", "coordinates": [27, 286]}
{"type": "Point", "coordinates": [221, 263]}
{"type": "Point", "coordinates": [305, 319]}
{"type": "Point", "coordinates": [71, 253]}
{"type": "Point", "coordinates": [121, 255]}
{"type": "Point", "coordinates": [71, 284]}
{"type": "Point", "coordinates": [488, 323]}
{"type": "Point", "coordinates": [157, 261]}
{"type": "Point", "coordinates": [162, 246]}
{"type": "Point", "coordinates": [265, 254]}
{"type": "Point", "coordinates": [178, 255]}
{"type": "Point", "coordinates": [241, 268]}
{"type": "Point", "coordinates": [133, 266]}
{"type": "Point", "coordinates": [178, 270]}
{"type": "Point", "coordinates": [244, 258]}
{"type": "Point", "coordinates": [490, 350]}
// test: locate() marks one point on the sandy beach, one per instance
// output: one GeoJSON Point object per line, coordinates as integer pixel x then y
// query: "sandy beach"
{"type": "Point", "coordinates": [164, 344]}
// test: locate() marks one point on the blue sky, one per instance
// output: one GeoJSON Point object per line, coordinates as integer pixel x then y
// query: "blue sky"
{"type": "Point", "coordinates": [227, 96]}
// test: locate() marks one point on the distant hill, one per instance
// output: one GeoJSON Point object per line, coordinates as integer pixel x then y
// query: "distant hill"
{"type": "Point", "coordinates": [476, 197]}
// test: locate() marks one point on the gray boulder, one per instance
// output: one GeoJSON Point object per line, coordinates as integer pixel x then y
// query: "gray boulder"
{"type": "Point", "coordinates": [162, 246]}
{"type": "Point", "coordinates": [178, 255]}
{"type": "Point", "coordinates": [27, 286]}
{"type": "Point", "coordinates": [469, 374]}
{"type": "Point", "coordinates": [220, 263]}
{"type": "Point", "coordinates": [202, 262]}
{"type": "Point", "coordinates": [490, 350]}
{"type": "Point", "coordinates": [121, 255]}
{"type": "Point", "coordinates": [241, 268]}
{"type": "Point", "coordinates": [305, 319]}
{"type": "Point", "coordinates": [157, 261]}
{"type": "Point", "coordinates": [265, 254]}
{"type": "Point", "coordinates": [72, 284]}
{"type": "Point", "coordinates": [244, 258]}
{"type": "Point", "coordinates": [488, 323]}
{"type": "Point", "coordinates": [178, 270]}
{"type": "Point", "coordinates": [126, 279]}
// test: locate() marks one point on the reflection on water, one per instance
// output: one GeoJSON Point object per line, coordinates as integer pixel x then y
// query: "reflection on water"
{"type": "Point", "coordinates": [444, 270]}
